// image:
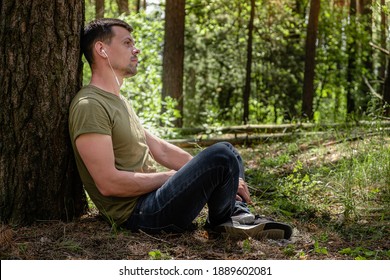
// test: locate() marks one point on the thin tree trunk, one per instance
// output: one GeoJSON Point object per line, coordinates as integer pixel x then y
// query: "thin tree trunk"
{"type": "Point", "coordinates": [311, 38]}
{"type": "Point", "coordinates": [173, 56]}
{"type": "Point", "coordinates": [352, 52]}
{"type": "Point", "coordinates": [385, 59]}
{"type": "Point", "coordinates": [366, 13]}
{"type": "Point", "coordinates": [40, 71]}
{"type": "Point", "coordinates": [383, 36]}
{"type": "Point", "coordinates": [123, 6]}
{"type": "Point", "coordinates": [247, 89]}
{"type": "Point", "coordinates": [99, 8]}
{"type": "Point", "coordinates": [386, 90]}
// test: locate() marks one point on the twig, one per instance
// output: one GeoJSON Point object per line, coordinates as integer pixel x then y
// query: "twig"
{"type": "Point", "coordinates": [384, 118]}
{"type": "Point", "coordinates": [355, 138]}
{"type": "Point", "coordinates": [380, 48]}
{"type": "Point", "coordinates": [155, 238]}
{"type": "Point", "coordinates": [372, 90]}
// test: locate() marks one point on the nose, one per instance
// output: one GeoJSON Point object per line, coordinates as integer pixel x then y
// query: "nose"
{"type": "Point", "coordinates": [136, 51]}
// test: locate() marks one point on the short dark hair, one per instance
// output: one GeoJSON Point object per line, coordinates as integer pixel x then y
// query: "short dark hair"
{"type": "Point", "coordinates": [99, 30]}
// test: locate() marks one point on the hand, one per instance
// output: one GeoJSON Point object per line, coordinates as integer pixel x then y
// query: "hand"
{"type": "Point", "coordinates": [243, 192]}
{"type": "Point", "coordinates": [170, 173]}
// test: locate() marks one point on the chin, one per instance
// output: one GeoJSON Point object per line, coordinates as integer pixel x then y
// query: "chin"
{"type": "Point", "coordinates": [131, 74]}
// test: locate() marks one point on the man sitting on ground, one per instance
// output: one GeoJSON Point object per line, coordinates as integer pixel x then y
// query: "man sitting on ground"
{"type": "Point", "coordinates": [115, 155]}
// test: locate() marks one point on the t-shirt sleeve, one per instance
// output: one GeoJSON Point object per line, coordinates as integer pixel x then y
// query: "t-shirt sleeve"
{"type": "Point", "coordinates": [89, 116]}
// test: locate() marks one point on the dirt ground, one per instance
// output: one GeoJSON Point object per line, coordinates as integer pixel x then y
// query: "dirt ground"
{"type": "Point", "coordinates": [90, 238]}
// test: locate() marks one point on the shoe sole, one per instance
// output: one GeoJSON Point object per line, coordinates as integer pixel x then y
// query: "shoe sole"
{"type": "Point", "coordinates": [269, 230]}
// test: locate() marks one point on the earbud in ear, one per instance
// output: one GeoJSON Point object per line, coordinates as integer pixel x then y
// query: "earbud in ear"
{"type": "Point", "coordinates": [104, 51]}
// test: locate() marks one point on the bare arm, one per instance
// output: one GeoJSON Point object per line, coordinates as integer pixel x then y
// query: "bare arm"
{"type": "Point", "coordinates": [165, 153]}
{"type": "Point", "coordinates": [96, 151]}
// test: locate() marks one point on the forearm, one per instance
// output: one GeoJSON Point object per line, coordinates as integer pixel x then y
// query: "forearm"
{"type": "Point", "coordinates": [129, 184]}
{"type": "Point", "coordinates": [173, 157]}
{"type": "Point", "coordinates": [165, 153]}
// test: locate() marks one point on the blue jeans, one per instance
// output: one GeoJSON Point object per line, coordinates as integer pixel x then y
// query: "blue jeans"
{"type": "Point", "coordinates": [209, 178]}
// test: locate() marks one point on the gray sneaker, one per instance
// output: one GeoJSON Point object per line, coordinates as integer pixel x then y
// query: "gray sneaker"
{"type": "Point", "coordinates": [261, 228]}
{"type": "Point", "coordinates": [244, 218]}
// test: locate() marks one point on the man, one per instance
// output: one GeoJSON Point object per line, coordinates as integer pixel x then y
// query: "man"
{"type": "Point", "coordinates": [115, 155]}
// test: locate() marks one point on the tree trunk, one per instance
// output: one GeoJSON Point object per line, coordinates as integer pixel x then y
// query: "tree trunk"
{"type": "Point", "coordinates": [386, 90]}
{"type": "Point", "coordinates": [247, 89]}
{"type": "Point", "coordinates": [123, 6]}
{"type": "Point", "coordinates": [311, 38]}
{"type": "Point", "coordinates": [140, 4]}
{"type": "Point", "coordinates": [137, 6]}
{"type": "Point", "coordinates": [99, 8]}
{"type": "Point", "coordinates": [339, 3]}
{"type": "Point", "coordinates": [40, 72]}
{"type": "Point", "coordinates": [385, 59]}
{"type": "Point", "coordinates": [383, 38]}
{"type": "Point", "coordinates": [366, 13]}
{"type": "Point", "coordinates": [352, 52]}
{"type": "Point", "coordinates": [173, 56]}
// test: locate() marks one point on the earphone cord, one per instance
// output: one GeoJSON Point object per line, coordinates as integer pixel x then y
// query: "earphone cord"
{"type": "Point", "coordinates": [113, 72]}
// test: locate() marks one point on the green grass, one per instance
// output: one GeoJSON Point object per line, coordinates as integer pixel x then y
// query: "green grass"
{"type": "Point", "coordinates": [354, 180]}
{"type": "Point", "coordinates": [342, 187]}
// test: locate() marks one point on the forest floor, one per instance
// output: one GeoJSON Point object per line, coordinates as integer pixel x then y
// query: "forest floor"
{"type": "Point", "coordinates": [294, 182]}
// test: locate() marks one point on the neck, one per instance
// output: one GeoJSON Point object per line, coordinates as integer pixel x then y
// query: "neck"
{"type": "Point", "coordinates": [107, 81]}
{"type": "Point", "coordinates": [111, 88]}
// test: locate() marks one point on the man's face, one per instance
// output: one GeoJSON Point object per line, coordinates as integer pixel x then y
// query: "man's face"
{"type": "Point", "coordinates": [123, 53]}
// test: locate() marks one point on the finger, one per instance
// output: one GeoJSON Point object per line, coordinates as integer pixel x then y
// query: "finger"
{"type": "Point", "coordinates": [243, 190]}
{"type": "Point", "coordinates": [244, 194]}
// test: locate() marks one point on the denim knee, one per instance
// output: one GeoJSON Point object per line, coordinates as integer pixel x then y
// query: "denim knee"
{"type": "Point", "coordinates": [222, 152]}
{"type": "Point", "coordinates": [225, 148]}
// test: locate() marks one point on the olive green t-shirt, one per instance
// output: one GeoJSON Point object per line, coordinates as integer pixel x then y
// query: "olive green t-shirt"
{"type": "Point", "coordinates": [94, 110]}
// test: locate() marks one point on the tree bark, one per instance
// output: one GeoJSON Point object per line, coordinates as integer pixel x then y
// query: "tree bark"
{"type": "Point", "coordinates": [40, 71]}
{"type": "Point", "coordinates": [352, 50]}
{"type": "Point", "coordinates": [383, 38]}
{"type": "Point", "coordinates": [367, 17]}
{"type": "Point", "coordinates": [140, 5]}
{"type": "Point", "coordinates": [247, 89]}
{"type": "Point", "coordinates": [311, 38]}
{"type": "Point", "coordinates": [99, 8]}
{"type": "Point", "coordinates": [173, 56]}
{"type": "Point", "coordinates": [386, 90]}
{"type": "Point", "coordinates": [123, 6]}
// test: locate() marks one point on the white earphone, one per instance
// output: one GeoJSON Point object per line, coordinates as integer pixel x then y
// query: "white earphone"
{"type": "Point", "coordinates": [109, 63]}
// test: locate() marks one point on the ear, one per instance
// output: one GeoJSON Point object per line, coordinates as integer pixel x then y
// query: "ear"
{"type": "Point", "coordinates": [99, 49]}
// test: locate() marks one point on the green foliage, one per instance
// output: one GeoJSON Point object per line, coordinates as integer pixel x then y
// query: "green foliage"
{"type": "Point", "coordinates": [361, 253]}
{"type": "Point", "coordinates": [295, 191]}
{"type": "Point", "coordinates": [246, 246]}
{"type": "Point", "coordinates": [289, 250]}
{"type": "Point", "coordinates": [361, 178]}
{"type": "Point", "coordinates": [157, 255]}
{"type": "Point", "coordinates": [216, 42]}
{"type": "Point", "coordinates": [215, 59]}
{"type": "Point", "coordinates": [318, 249]}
